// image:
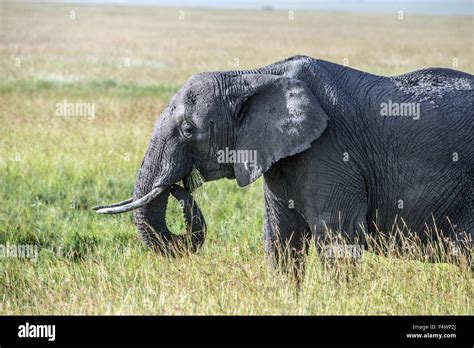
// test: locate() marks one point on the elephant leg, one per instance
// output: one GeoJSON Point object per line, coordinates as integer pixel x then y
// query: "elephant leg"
{"type": "Point", "coordinates": [287, 236]}
{"type": "Point", "coordinates": [341, 238]}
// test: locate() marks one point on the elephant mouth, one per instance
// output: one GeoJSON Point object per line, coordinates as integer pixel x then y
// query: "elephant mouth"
{"type": "Point", "coordinates": [218, 173]}
{"type": "Point", "coordinates": [212, 174]}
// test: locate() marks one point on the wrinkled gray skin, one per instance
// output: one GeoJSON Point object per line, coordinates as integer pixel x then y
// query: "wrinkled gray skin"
{"type": "Point", "coordinates": [328, 157]}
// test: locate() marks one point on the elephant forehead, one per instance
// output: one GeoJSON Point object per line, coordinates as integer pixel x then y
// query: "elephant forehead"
{"type": "Point", "coordinates": [199, 113]}
{"type": "Point", "coordinates": [179, 110]}
{"type": "Point", "coordinates": [194, 96]}
{"type": "Point", "coordinates": [203, 84]}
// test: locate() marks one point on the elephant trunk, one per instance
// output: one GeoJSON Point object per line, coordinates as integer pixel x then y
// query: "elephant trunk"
{"type": "Point", "coordinates": [149, 203]}
{"type": "Point", "coordinates": [150, 218]}
{"type": "Point", "coordinates": [150, 221]}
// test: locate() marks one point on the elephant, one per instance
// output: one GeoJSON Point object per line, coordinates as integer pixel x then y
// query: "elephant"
{"type": "Point", "coordinates": [339, 149]}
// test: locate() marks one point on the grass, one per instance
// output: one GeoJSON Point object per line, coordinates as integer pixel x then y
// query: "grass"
{"type": "Point", "coordinates": [53, 168]}
{"type": "Point", "coordinates": [87, 88]}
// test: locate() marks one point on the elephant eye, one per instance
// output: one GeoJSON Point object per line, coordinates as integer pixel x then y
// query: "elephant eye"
{"type": "Point", "coordinates": [187, 129]}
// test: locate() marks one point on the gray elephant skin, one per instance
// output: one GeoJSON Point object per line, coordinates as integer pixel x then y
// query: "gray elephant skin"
{"type": "Point", "coordinates": [339, 149]}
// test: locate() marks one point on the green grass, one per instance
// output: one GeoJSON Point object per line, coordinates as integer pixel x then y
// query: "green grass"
{"type": "Point", "coordinates": [87, 88]}
{"type": "Point", "coordinates": [54, 168]}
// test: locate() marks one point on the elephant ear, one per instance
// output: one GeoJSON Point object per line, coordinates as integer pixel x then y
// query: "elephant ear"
{"type": "Point", "coordinates": [276, 117]}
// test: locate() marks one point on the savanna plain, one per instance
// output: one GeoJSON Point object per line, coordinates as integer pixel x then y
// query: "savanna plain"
{"type": "Point", "coordinates": [129, 61]}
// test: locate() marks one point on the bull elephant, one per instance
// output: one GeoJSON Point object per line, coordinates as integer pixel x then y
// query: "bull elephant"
{"type": "Point", "coordinates": [338, 148]}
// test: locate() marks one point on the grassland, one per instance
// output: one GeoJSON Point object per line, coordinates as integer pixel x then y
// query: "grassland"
{"type": "Point", "coordinates": [129, 61]}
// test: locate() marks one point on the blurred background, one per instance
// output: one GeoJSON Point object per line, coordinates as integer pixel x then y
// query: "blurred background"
{"type": "Point", "coordinates": [151, 44]}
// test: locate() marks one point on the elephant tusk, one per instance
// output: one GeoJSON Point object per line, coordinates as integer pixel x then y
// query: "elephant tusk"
{"type": "Point", "coordinates": [134, 205]}
{"type": "Point", "coordinates": [130, 200]}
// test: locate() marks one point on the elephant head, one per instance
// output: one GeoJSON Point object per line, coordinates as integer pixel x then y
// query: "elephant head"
{"type": "Point", "coordinates": [238, 113]}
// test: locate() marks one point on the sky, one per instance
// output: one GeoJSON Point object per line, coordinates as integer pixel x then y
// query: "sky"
{"type": "Point", "coordinates": [440, 7]}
